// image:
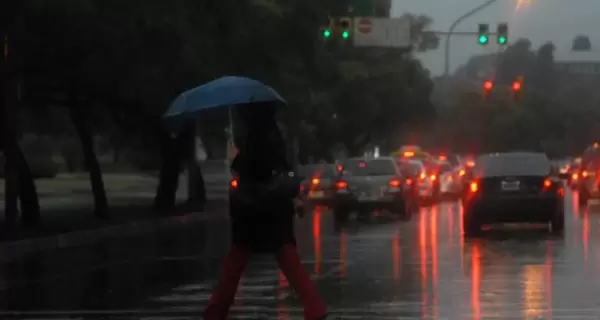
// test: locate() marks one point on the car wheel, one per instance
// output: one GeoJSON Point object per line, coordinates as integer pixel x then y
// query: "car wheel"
{"type": "Point", "coordinates": [471, 226]}
{"type": "Point", "coordinates": [558, 223]}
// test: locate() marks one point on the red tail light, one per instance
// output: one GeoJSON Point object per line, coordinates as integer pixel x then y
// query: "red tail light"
{"type": "Point", "coordinates": [234, 183]}
{"type": "Point", "coordinates": [422, 176]}
{"type": "Point", "coordinates": [340, 185]}
{"type": "Point", "coordinates": [409, 181]}
{"type": "Point", "coordinates": [395, 183]}
{"type": "Point", "coordinates": [433, 177]}
{"type": "Point", "coordinates": [471, 164]}
{"type": "Point", "coordinates": [474, 187]}
{"type": "Point", "coordinates": [316, 181]}
{"type": "Point", "coordinates": [462, 173]}
{"type": "Point", "coordinates": [547, 183]}
{"type": "Point", "coordinates": [340, 168]}
{"type": "Point", "coordinates": [362, 164]}
{"type": "Point", "coordinates": [584, 174]}
{"type": "Point", "coordinates": [575, 176]}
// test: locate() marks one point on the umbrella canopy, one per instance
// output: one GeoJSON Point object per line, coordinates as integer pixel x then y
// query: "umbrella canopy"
{"type": "Point", "coordinates": [226, 91]}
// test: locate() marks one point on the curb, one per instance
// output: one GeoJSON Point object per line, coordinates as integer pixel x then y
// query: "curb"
{"type": "Point", "coordinates": [17, 249]}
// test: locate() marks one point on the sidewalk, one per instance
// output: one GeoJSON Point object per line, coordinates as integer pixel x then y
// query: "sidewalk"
{"type": "Point", "coordinates": [67, 219]}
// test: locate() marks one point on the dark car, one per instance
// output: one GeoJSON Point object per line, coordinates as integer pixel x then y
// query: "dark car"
{"type": "Point", "coordinates": [517, 187]}
{"type": "Point", "coordinates": [372, 185]}
{"type": "Point", "coordinates": [318, 185]}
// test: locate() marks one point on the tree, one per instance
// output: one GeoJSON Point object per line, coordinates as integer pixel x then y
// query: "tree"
{"type": "Point", "coordinates": [581, 43]}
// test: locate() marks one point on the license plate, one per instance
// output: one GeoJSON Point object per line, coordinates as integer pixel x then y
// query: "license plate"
{"type": "Point", "coordinates": [510, 185]}
{"type": "Point", "coordinates": [316, 194]}
{"type": "Point", "coordinates": [367, 197]}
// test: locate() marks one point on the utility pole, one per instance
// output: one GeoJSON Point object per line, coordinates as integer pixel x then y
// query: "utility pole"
{"type": "Point", "coordinates": [451, 31]}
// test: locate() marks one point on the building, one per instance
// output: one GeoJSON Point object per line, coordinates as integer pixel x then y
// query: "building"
{"type": "Point", "coordinates": [577, 63]}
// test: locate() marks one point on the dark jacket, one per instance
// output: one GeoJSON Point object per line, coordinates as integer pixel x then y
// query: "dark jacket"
{"type": "Point", "coordinates": [266, 221]}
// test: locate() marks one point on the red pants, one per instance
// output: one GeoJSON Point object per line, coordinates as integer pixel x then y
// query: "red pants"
{"type": "Point", "coordinates": [289, 262]}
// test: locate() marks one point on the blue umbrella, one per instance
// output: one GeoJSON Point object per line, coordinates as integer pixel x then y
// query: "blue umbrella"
{"type": "Point", "coordinates": [226, 91]}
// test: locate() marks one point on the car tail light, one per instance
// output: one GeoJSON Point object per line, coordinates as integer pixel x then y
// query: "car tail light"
{"type": "Point", "coordinates": [474, 187]}
{"type": "Point", "coordinates": [584, 174]}
{"type": "Point", "coordinates": [433, 177]}
{"type": "Point", "coordinates": [547, 183]}
{"type": "Point", "coordinates": [575, 176]}
{"type": "Point", "coordinates": [409, 181]}
{"type": "Point", "coordinates": [422, 176]}
{"type": "Point", "coordinates": [470, 164]}
{"type": "Point", "coordinates": [341, 185]}
{"type": "Point", "coordinates": [362, 164]}
{"type": "Point", "coordinates": [395, 183]}
{"type": "Point", "coordinates": [340, 169]}
{"type": "Point", "coordinates": [462, 173]}
{"type": "Point", "coordinates": [316, 181]}
{"type": "Point", "coordinates": [234, 183]}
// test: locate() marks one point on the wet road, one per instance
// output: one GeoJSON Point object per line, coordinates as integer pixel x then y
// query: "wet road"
{"type": "Point", "coordinates": [421, 269]}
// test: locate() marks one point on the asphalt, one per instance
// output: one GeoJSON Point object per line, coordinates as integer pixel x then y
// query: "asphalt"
{"type": "Point", "coordinates": [382, 269]}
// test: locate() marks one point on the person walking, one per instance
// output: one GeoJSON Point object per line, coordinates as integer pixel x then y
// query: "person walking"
{"type": "Point", "coordinates": [262, 215]}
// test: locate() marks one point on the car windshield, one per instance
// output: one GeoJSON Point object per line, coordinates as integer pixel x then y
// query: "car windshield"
{"type": "Point", "coordinates": [512, 164]}
{"type": "Point", "coordinates": [319, 170]}
{"type": "Point", "coordinates": [376, 168]}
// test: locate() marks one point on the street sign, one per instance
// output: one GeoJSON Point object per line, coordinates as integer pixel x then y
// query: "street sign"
{"type": "Point", "coordinates": [365, 26]}
{"type": "Point", "coordinates": [382, 32]}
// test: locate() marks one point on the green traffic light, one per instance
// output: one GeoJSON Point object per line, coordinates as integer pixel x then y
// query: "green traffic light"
{"type": "Point", "coordinates": [483, 39]}
{"type": "Point", "coordinates": [327, 33]}
{"type": "Point", "coordinates": [502, 40]}
{"type": "Point", "coordinates": [345, 34]}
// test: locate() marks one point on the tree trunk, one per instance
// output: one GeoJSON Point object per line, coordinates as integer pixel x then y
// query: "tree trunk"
{"type": "Point", "coordinates": [91, 162]}
{"type": "Point", "coordinates": [172, 153]}
{"type": "Point", "coordinates": [30, 206]}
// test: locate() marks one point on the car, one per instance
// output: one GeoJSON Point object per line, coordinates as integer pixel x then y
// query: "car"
{"type": "Point", "coordinates": [586, 174]}
{"type": "Point", "coordinates": [374, 184]}
{"type": "Point", "coordinates": [318, 184]}
{"type": "Point", "coordinates": [451, 184]}
{"type": "Point", "coordinates": [514, 187]}
{"type": "Point", "coordinates": [425, 184]}
{"type": "Point", "coordinates": [572, 175]}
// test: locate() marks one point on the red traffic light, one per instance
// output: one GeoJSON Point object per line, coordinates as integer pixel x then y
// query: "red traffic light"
{"type": "Point", "coordinates": [488, 85]}
{"type": "Point", "coordinates": [516, 86]}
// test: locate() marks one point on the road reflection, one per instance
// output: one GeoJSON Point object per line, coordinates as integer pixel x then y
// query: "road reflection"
{"type": "Point", "coordinates": [396, 254]}
{"type": "Point", "coordinates": [476, 280]}
{"type": "Point", "coordinates": [317, 240]}
{"type": "Point", "coordinates": [433, 228]}
{"type": "Point", "coordinates": [423, 262]}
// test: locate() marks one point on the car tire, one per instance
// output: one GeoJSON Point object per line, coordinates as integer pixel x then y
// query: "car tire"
{"type": "Point", "coordinates": [340, 215]}
{"type": "Point", "coordinates": [471, 227]}
{"type": "Point", "coordinates": [557, 224]}
{"type": "Point", "coordinates": [402, 210]}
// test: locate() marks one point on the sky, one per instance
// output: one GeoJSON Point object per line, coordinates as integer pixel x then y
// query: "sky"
{"type": "Point", "coordinates": [540, 21]}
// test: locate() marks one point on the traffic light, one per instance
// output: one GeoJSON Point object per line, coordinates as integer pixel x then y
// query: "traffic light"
{"type": "Point", "coordinates": [483, 34]}
{"type": "Point", "coordinates": [502, 34]}
{"type": "Point", "coordinates": [326, 32]}
{"type": "Point", "coordinates": [345, 28]}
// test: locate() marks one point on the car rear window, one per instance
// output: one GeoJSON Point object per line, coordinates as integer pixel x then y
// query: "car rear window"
{"type": "Point", "coordinates": [512, 164]}
{"type": "Point", "coordinates": [323, 170]}
{"type": "Point", "coordinates": [376, 168]}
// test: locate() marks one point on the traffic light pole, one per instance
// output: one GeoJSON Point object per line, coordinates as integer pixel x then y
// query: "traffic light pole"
{"type": "Point", "coordinates": [451, 31]}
